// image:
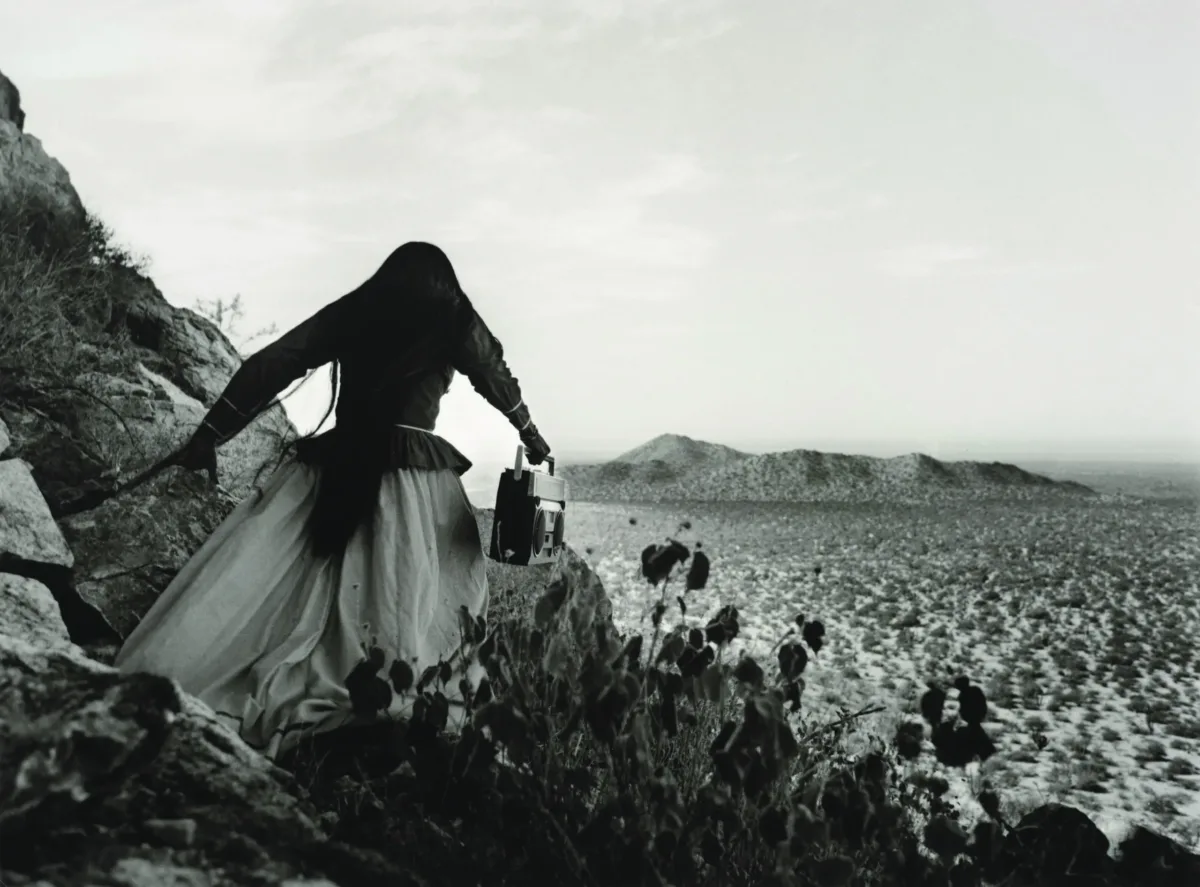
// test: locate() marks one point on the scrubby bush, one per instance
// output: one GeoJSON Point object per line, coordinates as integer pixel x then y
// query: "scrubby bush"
{"type": "Point", "coordinates": [587, 757]}
{"type": "Point", "coordinates": [58, 277]}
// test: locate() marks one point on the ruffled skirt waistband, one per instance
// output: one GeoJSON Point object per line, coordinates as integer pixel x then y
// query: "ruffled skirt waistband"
{"type": "Point", "coordinates": [408, 447]}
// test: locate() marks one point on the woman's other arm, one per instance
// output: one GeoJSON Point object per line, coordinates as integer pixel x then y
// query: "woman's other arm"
{"type": "Point", "coordinates": [480, 357]}
{"type": "Point", "coordinates": [267, 372]}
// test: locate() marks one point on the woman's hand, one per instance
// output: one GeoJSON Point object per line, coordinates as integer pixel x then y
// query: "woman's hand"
{"type": "Point", "coordinates": [199, 454]}
{"type": "Point", "coordinates": [536, 448]}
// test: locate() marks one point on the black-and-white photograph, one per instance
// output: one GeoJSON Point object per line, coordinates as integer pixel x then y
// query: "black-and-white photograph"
{"type": "Point", "coordinates": [666, 443]}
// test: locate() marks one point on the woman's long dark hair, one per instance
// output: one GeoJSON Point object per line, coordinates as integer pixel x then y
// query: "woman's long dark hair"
{"type": "Point", "coordinates": [405, 318]}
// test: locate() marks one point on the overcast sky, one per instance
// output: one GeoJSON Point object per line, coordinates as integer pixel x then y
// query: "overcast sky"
{"type": "Point", "coordinates": [961, 227]}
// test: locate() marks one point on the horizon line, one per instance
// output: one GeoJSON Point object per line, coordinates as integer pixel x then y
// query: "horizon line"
{"type": "Point", "coordinates": [574, 456]}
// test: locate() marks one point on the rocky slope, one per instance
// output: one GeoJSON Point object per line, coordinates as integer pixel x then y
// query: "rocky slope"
{"type": "Point", "coordinates": [675, 468]}
{"type": "Point", "coordinates": [111, 779]}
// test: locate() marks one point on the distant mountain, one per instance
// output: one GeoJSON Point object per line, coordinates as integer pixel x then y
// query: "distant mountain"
{"type": "Point", "coordinates": [676, 468]}
{"type": "Point", "coordinates": [682, 453]}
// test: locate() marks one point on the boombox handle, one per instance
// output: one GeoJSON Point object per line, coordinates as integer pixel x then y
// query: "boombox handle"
{"type": "Point", "coordinates": [518, 465]}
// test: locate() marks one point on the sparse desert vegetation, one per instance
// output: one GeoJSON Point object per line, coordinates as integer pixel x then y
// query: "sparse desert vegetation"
{"type": "Point", "coordinates": [1078, 619]}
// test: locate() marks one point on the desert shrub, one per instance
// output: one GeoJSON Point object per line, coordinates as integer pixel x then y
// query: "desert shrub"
{"type": "Point", "coordinates": [589, 757]}
{"type": "Point", "coordinates": [57, 279]}
{"type": "Point", "coordinates": [65, 289]}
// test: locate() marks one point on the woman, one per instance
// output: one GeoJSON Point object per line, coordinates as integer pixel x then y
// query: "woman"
{"type": "Point", "coordinates": [365, 537]}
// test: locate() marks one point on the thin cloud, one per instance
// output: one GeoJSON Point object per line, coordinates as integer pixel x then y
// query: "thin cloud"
{"type": "Point", "coordinates": [517, 177]}
{"type": "Point", "coordinates": [316, 71]}
{"type": "Point", "coordinates": [668, 173]}
{"type": "Point", "coordinates": [492, 146]}
{"type": "Point", "coordinates": [963, 260]}
{"type": "Point", "coordinates": [927, 259]}
{"type": "Point", "coordinates": [604, 225]}
{"type": "Point", "coordinates": [829, 201]}
{"type": "Point", "coordinates": [702, 32]}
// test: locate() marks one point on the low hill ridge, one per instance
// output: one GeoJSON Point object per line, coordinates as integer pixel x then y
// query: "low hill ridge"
{"type": "Point", "coordinates": [677, 468]}
{"type": "Point", "coordinates": [678, 449]}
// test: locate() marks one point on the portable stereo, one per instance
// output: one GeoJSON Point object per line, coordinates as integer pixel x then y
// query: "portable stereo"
{"type": "Point", "coordinates": [531, 510]}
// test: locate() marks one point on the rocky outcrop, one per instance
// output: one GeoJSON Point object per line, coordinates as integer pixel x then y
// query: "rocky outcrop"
{"type": "Point", "coordinates": [31, 613]}
{"type": "Point", "coordinates": [10, 103]}
{"type": "Point", "coordinates": [26, 170]}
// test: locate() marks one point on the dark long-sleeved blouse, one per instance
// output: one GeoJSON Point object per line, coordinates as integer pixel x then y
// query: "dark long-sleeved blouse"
{"type": "Point", "coordinates": [405, 397]}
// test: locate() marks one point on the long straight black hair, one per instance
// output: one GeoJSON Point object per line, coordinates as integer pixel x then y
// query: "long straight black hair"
{"type": "Point", "coordinates": [406, 318]}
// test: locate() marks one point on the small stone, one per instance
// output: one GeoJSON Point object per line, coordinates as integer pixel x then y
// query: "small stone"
{"type": "Point", "coordinates": [134, 872]}
{"type": "Point", "coordinates": [178, 833]}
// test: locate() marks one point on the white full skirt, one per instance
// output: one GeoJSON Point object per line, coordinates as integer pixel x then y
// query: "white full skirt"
{"type": "Point", "coordinates": [265, 633]}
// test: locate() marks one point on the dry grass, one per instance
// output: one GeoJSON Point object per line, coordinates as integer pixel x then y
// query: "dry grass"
{"type": "Point", "coordinates": [57, 281]}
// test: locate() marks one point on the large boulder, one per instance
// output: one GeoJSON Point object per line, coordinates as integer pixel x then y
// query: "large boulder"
{"type": "Point", "coordinates": [29, 537]}
{"type": "Point", "coordinates": [128, 549]}
{"type": "Point", "coordinates": [31, 613]}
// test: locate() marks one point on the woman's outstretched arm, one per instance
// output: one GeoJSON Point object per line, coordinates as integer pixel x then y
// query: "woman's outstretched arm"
{"type": "Point", "coordinates": [480, 357]}
{"type": "Point", "coordinates": [267, 372]}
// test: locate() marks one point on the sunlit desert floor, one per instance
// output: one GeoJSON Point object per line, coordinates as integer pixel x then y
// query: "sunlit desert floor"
{"type": "Point", "coordinates": [1079, 620]}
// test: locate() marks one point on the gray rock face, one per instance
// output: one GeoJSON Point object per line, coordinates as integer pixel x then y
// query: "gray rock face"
{"type": "Point", "coordinates": [28, 532]}
{"type": "Point", "coordinates": [5, 440]}
{"type": "Point", "coordinates": [10, 103]}
{"type": "Point", "coordinates": [27, 172]}
{"type": "Point", "coordinates": [31, 613]}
